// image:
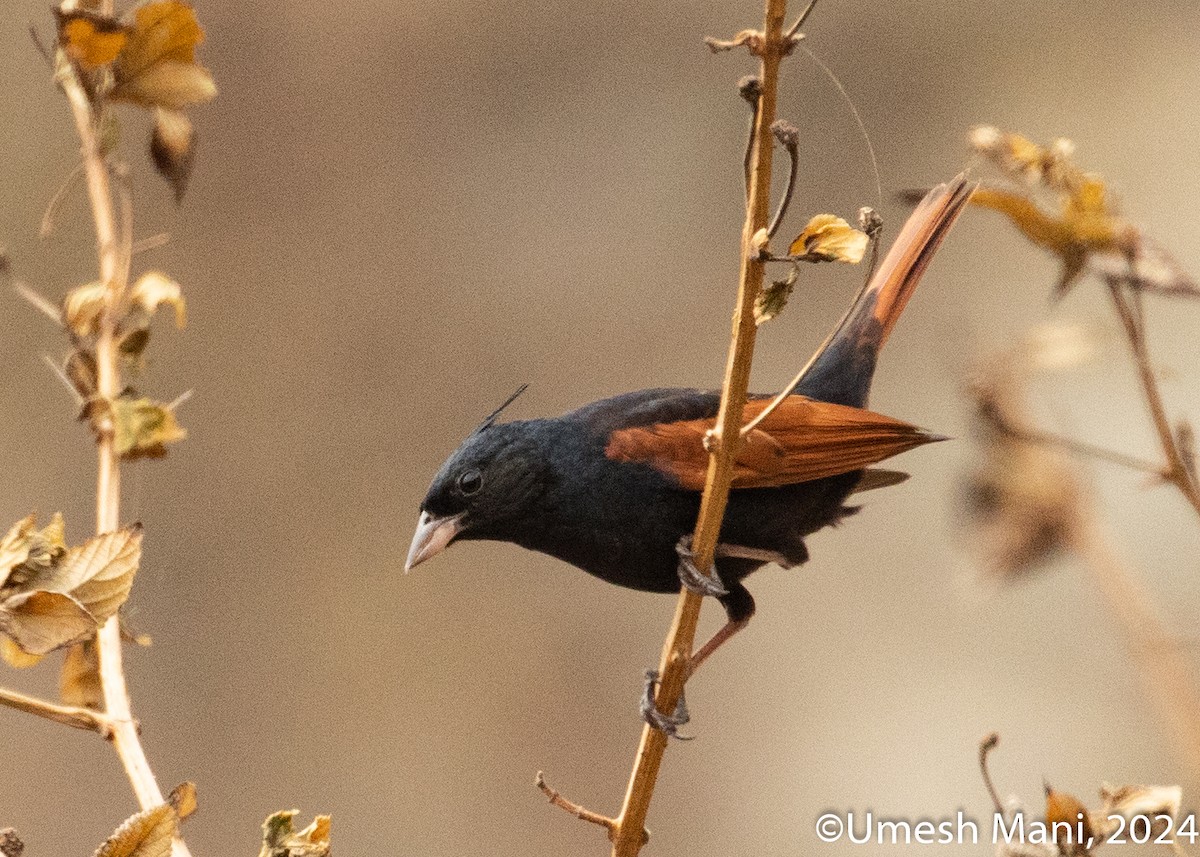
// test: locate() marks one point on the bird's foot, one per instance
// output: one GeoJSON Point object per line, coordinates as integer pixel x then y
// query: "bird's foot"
{"type": "Point", "coordinates": [668, 724]}
{"type": "Point", "coordinates": [694, 579]}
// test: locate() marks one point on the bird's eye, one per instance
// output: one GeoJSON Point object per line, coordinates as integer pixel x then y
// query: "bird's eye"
{"type": "Point", "coordinates": [470, 482]}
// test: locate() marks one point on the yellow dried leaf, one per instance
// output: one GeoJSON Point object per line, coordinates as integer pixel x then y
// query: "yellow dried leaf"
{"type": "Point", "coordinates": [14, 547]}
{"type": "Point", "coordinates": [183, 799]}
{"type": "Point", "coordinates": [157, 67]}
{"type": "Point", "coordinates": [147, 834]}
{"type": "Point", "coordinates": [1011, 153]}
{"type": "Point", "coordinates": [83, 307]}
{"type": "Point", "coordinates": [1038, 227]}
{"type": "Point", "coordinates": [828, 238]}
{"type": "Point", "coordinates": [26, 551]}
{"type": "Point", "coordinates": [17, 657]}
{"type": "Point", "coordinates": [173, 85]}
{"type": "Point", "coordinates": [79, 680]}
{"type": "Point", "coordinates": [173, 148]}
{"type": "Point", "coordinates": [142, 428]}
{"type": "Point", "coordinates": [91, 40]}
{"type": "Point", "coordinates": [99, 573]}
{"type": "Point", "coordinates": [154, 288]}
{"type": "Point", "coordinates": [40, 622]}
{"type": "Point", "coordinates": [280, 839]}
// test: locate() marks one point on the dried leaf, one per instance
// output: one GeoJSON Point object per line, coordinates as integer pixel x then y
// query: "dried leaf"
{"type": "Point", "coordinates": [99, 573]}
{"type": "Point", "coordinates": [90, 39]}
{"type": "Point", "coordinates": [773, 298]}
{"type": "Point", "coordinates": [11, 844]}
{"type": "Point", "coordinates": [828, 238]}
{"type": "Point", "coordinates": [1130, 802]}
{"type": "Point", "coordinates": [1062, 808]}
{"type": "Point", "coordinates": [83, 307]}
{"type": "Point", "coordinates": [80, 370]}
{"type": "Point", "coordinates": [55, 597]}
{"type": "Point", "coordinates": [40, 621]}
{"type": "Point", "coordinates": [183, 799]}
{"type": "Point", "coordinates": [144, 428]}
{"type": "Point", "coordinates": [280, 839]}
{"type": "Point", "coordinates": [173, 148]}
{"type": "Point", "coordinates": [173, 85]}
{"type": "Point", "coordinates": [154, 288]}
{"type": "Point", "coordinates": [25, 551]}
{"type": "Point", "coordinates": [146, 834]}
{"type": "Point", "coordinates": [14, 547]}
{"type": "Point", "coordinates": [157, 67]}
{"type": "Point", "coordinates": [79, 681]}
{"type": "Point", "coordinates": [17, 657]}
{"type": "Point", "coordinates": [134, 343]}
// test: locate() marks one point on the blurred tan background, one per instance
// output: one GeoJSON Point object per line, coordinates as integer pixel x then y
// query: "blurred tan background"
{"type": "Point", "coordinates": [403, 210]}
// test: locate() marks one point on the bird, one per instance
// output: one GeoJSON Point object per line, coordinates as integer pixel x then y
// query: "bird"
{"type": "Point", "coordinates": [613, 487]}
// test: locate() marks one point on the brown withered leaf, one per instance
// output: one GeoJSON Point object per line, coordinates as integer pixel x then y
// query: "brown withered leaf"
{"type": "Point", "coordinates": [80, 369]}
{"type": "Point", "coordinates": [154, 288]}
{"type": "Point", "coordinates": [55, 597]}
{"type": "Point", "coordinates": [157, 67]}
{"type": "Point", "coordinates": [99, 573]}
{"type": "Point", "coordinates": [133, 344]}
{"type": "Point", "coordinates": [774, 297]}
{"type": "Point", "coordinates": [143, 428]}
{"type": "Point", "coordinates": [281, 839]}
{"type": "Point", "coordinates": [90, 39]}
{"type": "Point", "coordinates": [183, 799]}
{"type": "Point", "coordinates": [79, 680]}
{"type": "Point", "coordinates": [1063, 808]}
{"type": "Point", "coordinates": [828, 238]}
{"type": "Point", "coordinates": [173, 148]}
{"type": "Point", "coordinates": [83, 307]}
{"type": "Point", "coordinates": [11, 844]}
{"type": "Point", "coordinates": [146, 834]}
{"type": "Point", "coordinates": [40, 621]}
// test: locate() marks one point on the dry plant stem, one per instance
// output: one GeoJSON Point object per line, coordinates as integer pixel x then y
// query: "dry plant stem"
{"type": "Point", "coordinates": [80, 718]}
{"type": "Point", "coordinates": [677, 649]}
{"type": "Point", "coordinates": [1133, 321]}
{"type": "Point", "coordinates": [609, 824]}
{"type": "Point", "coordinates": [1158, 654]}
{"type": "Point", "coordinates": [986, 746]}
{"type": "Point", "coordinates": [114, 272]}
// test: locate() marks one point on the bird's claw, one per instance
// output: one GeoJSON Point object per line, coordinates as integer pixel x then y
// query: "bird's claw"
{"type": "Point", "coordinates": [692, 578]}
{"type": "Point", "coordinates": [668, 724]}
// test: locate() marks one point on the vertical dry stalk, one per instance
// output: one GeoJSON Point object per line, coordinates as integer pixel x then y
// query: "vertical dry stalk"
{"type": "Point", "coordinates": [1129, 311]}
{"type": "Point", "coordinates": [113, 249]}
{"type": "Point", "coordinates": [677, 649]}
{"type": "Point", "coordinates": [1164, 668]}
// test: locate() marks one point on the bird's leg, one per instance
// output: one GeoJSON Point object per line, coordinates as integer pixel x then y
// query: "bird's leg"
{"type": "Point", "coordinates": [666, 723]}
{"type": "Point", "coordinates": [738, 604]}
{"type": "Point", "coordinates": [715, 642]}
{"type": "Point", "coordinates": [739, 608]}
{"type": "Point", "coordinates": [756, 554]}
{"type": "Point", "coordinates": [692, 578]}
